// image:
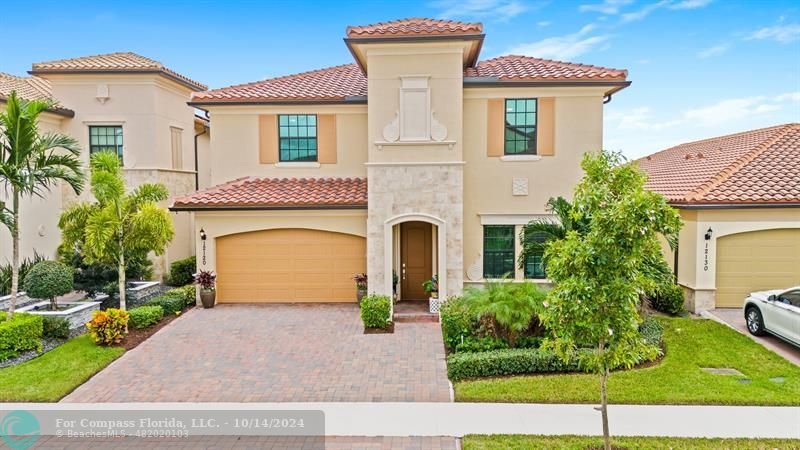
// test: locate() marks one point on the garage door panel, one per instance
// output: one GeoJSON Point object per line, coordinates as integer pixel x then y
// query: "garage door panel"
{"type": "Point", "coordinates": [289, 265]}
{"type": "Point", "coordinates": [756, 261]}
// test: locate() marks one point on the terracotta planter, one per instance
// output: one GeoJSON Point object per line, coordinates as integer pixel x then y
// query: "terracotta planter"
{"type": "Point", "coordinates": [208, 298]}
{"type": "Point", "coordinates": [360, 293]}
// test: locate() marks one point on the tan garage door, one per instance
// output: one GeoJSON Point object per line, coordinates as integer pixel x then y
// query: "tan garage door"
{"type": "Point", "coordinates": [756, 261]}
{"type": "Point", "coordinates": [289, 265]}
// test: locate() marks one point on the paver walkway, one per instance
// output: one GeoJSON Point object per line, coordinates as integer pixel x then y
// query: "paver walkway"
{"type": "Point", "coordinates": [276, 353]}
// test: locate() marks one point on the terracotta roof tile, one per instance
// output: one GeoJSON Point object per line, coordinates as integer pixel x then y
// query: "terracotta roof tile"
{"type": "Point", "coordinates": [113, 62]}
{"type": "Point", "coordinates": [516, 67]}
{"type": "Point", "coordinates": [340, 82]}
{"type": "Point", "coordinates": [757, 166]}
{"type": "Point", "coordinates": [415, 26]}
{"type": "Point", "coordinates": [253, 192]}
{"type": "Point", "coordinates": [28, 88]}
{"type": "Point", "coordinates": [330, 84]}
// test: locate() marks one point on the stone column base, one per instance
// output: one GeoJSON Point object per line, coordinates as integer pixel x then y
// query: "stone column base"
{"type": "Point", "coordinates": [699, 300]}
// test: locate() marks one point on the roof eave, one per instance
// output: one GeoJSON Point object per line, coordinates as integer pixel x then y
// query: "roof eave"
{"type": "Point", "coordinates": [63, 112]}
{"type": "Point", "coordinates": [733, 205]}
{"type": "Point", "coordinates": [494, 82]}
{"type": "Point", "coordinates": [354, 100]}
{"type": "Point", "coordinates": [194, 86]}
{"type": "Point", "coordinates": [472, 60]}
{"type": "Point", "coordinates": [182, 208]}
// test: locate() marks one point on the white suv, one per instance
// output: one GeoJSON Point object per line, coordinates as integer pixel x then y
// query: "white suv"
{"type": "Point", "coordinates": [776, 312]}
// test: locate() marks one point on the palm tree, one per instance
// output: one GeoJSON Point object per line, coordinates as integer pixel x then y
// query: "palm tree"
{"type": "Point", "coordinates": [119, 222]}
{"type": "Point", "coordinates": [539, 232]}
{"type": "Point", "coordinates": [31, 164]}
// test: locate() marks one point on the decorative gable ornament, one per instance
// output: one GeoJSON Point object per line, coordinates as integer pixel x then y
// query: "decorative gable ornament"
{"type": "Point", "coordinates": [391, 132]}
{"type": "Point", "coordinates": [102, 93]}
{"type": "Point", "coordinates": [438, 130]}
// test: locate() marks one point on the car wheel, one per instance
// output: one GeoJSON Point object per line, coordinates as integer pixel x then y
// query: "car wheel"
{"type": "Point", "coordinates": [755, 323]}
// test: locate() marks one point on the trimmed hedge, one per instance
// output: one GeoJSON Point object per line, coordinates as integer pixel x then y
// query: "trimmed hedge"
{"type": "Point", "coordinates": [55, 327]}
{"type": "Point", "coordinates": [169, 304]}
{"type": "Point", "coordinates": [181, 272]}
{"type": "Point", "coordinates": [144, 316]}
{"type": "Point", "coordinates": [514, 361]}
{"type": "Point", "coordinates": [22, 333]}
{"type": "Point", "coordinates": [185, 293]}
{"type": "Point", "coordinates": [669, 299]}
{"type": "Point", "coordinates": [375, 311]}
{"type": "Point", "coordinates": [48, 279]}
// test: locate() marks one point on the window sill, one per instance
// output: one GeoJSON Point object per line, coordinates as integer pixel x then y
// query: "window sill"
{"type": "Point", "coordinates": [520, 158]}
{"type": "Point", "coordinates": [298, 165]}
{"type": "Point", "coordinates": [381, 144]}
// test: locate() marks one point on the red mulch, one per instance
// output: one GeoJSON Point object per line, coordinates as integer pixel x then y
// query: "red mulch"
{"type": "Point", "coordinates": [387, 330]}
{"type": "Point", "coordinates": [136, 337]}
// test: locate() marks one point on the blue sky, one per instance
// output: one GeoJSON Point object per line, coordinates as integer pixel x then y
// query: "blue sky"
{"type": "Point", "coordinates": [699, 68]}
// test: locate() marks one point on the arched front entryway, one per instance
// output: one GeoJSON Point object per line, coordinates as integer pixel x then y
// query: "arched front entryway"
{"type": "Point", "coordinates": [418, 240]}
{"type": "Point", "coordinates": [288, 265]}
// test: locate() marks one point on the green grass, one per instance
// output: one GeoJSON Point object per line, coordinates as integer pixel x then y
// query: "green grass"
{"type": "Point", "coordinates": [515, 442]}
{"type": "Point", "coordinates": [58, 372]}
{"type": "Point", "coordinates": [678, 379]}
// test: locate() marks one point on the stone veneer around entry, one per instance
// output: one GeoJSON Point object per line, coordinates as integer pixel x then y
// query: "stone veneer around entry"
{"type": "Point", "coordinates": [433, 190]}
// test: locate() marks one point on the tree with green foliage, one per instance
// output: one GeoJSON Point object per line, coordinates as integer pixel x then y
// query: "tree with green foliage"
{"type": "Point", "coordinates": [31, 163]}
{"type": "Point", "coordinates": [118, 222]}
{"type": "Point", "coordinates": [49, 279]}
{"type": "Point", "coordinates": [598, 276]}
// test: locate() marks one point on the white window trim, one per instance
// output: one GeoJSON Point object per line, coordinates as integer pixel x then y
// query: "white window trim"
{"type": "Point", "coordinates": [520, 158]}
{"type": "Point", "coordinates": [298, 165]}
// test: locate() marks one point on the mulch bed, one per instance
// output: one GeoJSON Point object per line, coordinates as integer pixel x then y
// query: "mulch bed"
{"type": "Point", "coordinates": [387, 330]}
{"type": "Point", "coordinates": [136, 337]}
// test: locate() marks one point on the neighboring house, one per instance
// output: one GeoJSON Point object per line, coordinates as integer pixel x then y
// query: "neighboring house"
{"type": "Point", "coordinates": [739, 198]}
{"type": "Point", "coordinates": [418, 159]}
{"type": "Point", "coordinates": [121, 102]}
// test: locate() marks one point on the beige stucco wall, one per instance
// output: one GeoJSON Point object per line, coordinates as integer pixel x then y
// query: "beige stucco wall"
{"type": "Point", "coordinates": [235, 138]}
{"type": "Point", "coordinates": [38, 215]}
{"type": "Point", "coordinates": [697, 257]}
{"type": "Point", "coordinates": [223, 223]}
{"type": "Point", "coordinates": [203, 155]}
{"type": "Point", "coordinates": [488, 181]}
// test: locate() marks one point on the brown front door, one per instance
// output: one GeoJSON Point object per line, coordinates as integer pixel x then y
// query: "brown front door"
{"type": "Point", "coordinates": [416, 263]}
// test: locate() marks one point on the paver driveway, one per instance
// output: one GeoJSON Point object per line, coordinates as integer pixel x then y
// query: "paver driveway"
{"type": "Point", "coordinates": [276, 353]}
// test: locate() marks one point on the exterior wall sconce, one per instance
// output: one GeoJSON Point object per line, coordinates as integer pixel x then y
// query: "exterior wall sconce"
{"type": "Point", "coordinates": [203, 239]}
{"type": "Point", "coordinates": [709, 233]}
{"type": "Point", "coordinates": [202, 234]}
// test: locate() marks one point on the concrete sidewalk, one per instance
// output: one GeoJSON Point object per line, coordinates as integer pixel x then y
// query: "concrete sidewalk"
{"type": "Point", "coordinates": [458, 419]}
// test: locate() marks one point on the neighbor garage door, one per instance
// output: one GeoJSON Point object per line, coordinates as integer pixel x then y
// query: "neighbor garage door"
{"type": "Point", "coordinates": [289, 265]}
{"type": "Point", "coordinates": [756, 261]}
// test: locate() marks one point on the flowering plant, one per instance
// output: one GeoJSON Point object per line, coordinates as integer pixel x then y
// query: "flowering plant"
{"type": "Point", "coordinates": [361, 280]}
{"type": "Point", "coordinates": [206, 279]}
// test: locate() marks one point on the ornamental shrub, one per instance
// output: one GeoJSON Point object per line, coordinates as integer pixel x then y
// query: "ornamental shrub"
{"type": "Point", "coordinates": [144, 316]}
{"type": "Point", "coordinates": [48, 280]}
{"type": "Point", "coordinates": [108, 327]}
{"type": "Point", "coordinates": [55, 327]}
{"type": "Point", "coordinates": [668, 299]}
{"type": "Point", "coordinates": [181, 272]}
{"type": "Point", "coordinates": [186, 293]}
{"type": "Point", "coordinates": [375, 311]}
{"type": "Point", "coordinates": [514, 361]}
{"type": "Point", "coordinates": [458, 321]}
{"type": "Point", "coordinates": [170, 304]}
{"type": "Point", "coordinates": [19, 334]}
{"type": "Point", "coordinates": [508, 310]}
{"type": "Point", "coordinates": [652, 331]}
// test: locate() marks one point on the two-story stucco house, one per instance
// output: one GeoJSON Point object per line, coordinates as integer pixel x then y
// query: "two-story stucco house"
{"type": "Point", "coordinates": [417, 158]}
{"type": "Point", "coordinates": [125, 103]}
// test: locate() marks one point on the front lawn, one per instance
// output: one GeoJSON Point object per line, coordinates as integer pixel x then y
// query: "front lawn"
{"type": "Point", "coordinates": [480, 442]}
{"type": "Point", "coordinates": [58, 372]}
{"type": "Point", "coordinates": [691, 345]}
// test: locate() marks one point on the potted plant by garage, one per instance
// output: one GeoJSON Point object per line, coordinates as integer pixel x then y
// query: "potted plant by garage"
{"type": "Point", "coordinates": [431, 287]}
{"type": "Point", "coordinates": [361, 286]}
{"type": "Point", "coordinates": [207, 281]}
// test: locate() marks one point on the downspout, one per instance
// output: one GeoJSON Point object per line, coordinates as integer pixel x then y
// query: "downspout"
{"type": "Point", "coordinates": [196, 165]}
{"type": "Point", "coordinates": [607, 99]}
{"type": "Point", "coordinates": [675, 263]}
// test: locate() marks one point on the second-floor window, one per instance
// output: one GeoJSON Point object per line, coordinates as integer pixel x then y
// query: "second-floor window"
{"type": "Point", "coordinates": [520, 130]}
{"type": "Point", "coordinates": [297, 134]}
{"type": "Point", "coordinates": [106, 138]}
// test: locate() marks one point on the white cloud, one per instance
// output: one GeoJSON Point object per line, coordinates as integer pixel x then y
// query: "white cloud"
{"type": "Point", "coordinates": [690, 4]}
{"type": "Point", "coordinates": [783, 33]}
{"type": "Point", "coordinates": [543, 23]}
{"type": "Point", "coordinates": [497, 9]}
{"type": "Point", "coordinates": [715, 50]}
{"type": "Point", "coordinates": [644, 12]}
{"type": "Point", "coordinates": [563, 47]}
{"type": "Point", "coordinates": [731, 110]}
{"type": "Point", "coordinates": [610, 7]}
